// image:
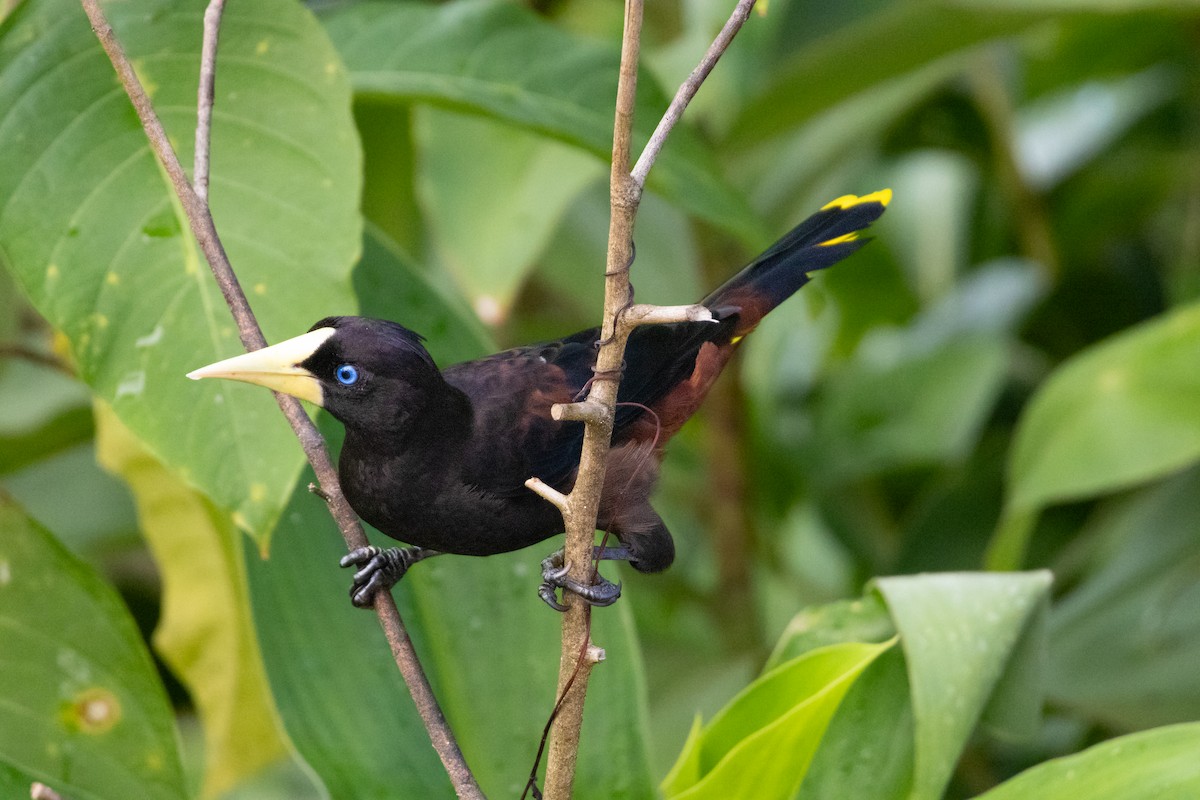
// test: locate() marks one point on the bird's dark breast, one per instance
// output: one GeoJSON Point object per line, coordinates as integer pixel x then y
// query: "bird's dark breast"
{"type": "Point", "coordinates": [420, 504]}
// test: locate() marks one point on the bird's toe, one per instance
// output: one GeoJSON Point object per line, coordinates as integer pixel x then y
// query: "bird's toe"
{"type": "Point", "coordinates": [358, 556]}
{"type": "Point", "coordinates": [555, 576]}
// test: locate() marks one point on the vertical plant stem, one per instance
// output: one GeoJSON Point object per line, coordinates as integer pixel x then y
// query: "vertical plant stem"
{"type": "Point", "coordinates": [582, 505]}
{"type": "Point", "coordinates": [584, 499]}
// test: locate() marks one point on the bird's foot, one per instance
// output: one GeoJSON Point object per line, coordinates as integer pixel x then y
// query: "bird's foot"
{"type": "Point", "coordinates": [554, 577]}
{"type": "Point", "coordinates": [381, 569]}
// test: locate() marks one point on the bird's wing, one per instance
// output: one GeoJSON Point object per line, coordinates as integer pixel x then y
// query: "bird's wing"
{"type": "Point", "coordinates": [512, 392]}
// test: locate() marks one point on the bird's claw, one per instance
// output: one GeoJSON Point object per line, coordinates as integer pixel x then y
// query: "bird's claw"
{"type": "Point", "coordinates": [381, 570]}
{"type": "Point", "coordinates": [555, 576]}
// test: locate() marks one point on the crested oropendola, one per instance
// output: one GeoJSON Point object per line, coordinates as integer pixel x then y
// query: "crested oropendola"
{"type": "Point", "coordinates": [439, 458]}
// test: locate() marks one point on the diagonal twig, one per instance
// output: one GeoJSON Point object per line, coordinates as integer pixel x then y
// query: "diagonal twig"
{"type": "Point", "coordinates": [687, 90]}
{"type": "Point", "coordinates": [200, 219]}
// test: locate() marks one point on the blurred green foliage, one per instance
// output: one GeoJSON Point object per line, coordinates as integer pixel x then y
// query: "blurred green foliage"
{"type": "Point", "coordinates": [1005, 379]}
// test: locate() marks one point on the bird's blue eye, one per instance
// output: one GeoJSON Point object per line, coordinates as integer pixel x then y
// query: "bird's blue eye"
{"type": "Point", "coordinates": [346, 374]}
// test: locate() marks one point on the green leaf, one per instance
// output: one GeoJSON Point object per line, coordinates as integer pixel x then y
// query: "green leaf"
{"type": "Point", "coordinates": [81, 706]}
{"type": "Point", "coordinates": [1057, 135]}
{"type": "Point", "coordinates": [960, 632]}
{"type": "Point", "coordinates": [42, 412]}
{"type": "Point", "coordinates": [1120, 413]}
{"type": "Point", "coordinates": [861, 620]}
{"type": "Point", "coordinates": [492, 214]}
{"type": "Point", "coordinates": [339, 695]}
{"type": "Point", "coordinates": [868, 749]}
{"type": "Point", "coordinates": [502, 61]}
{"type": "Point", "coordinates": [1160, 764]}
{"type": "Point", "coordinates": [973, 645]}
{"type": "Point", "coordinates": [876, 48]}
{"type": "Point", "coordinates": [920, 394]}
{"type": "Point", "coordinates": [771, 729]}
{"type": "Point", "coordinates": [391, 287]}
{"type": "Point", "coordinates": [205, 632]}
{"type": "Point", "coordinates": [1127, 637]}
{"type": "Point", "coordinates": [92, 232]}
{"type": "Point", "coordinates": [924, 407]}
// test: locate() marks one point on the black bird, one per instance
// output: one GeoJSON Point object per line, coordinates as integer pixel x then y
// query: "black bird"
{"type": "Point", "coordinates": [439, 458]}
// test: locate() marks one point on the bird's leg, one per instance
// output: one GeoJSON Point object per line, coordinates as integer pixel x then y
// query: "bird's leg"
{"type": "Point", "coordinates": [601, 593]}
{"type": "Point", "coordinates": [381, 569]}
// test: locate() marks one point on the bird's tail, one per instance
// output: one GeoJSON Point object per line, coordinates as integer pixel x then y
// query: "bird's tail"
{"type": "Point", "coordinates": [818, 242]}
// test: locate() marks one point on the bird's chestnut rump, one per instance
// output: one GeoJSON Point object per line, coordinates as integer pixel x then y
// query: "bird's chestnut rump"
{"type": "Point", "coordinates": [438, 458]}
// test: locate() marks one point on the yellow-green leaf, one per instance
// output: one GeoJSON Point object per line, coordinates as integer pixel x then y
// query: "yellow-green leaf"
{"type": "Point", "coordinates": [81, 706]}
{"type": "Point", "coordinates": [771, 729]}
{"type": "Point", "coordinates": [205, 633]}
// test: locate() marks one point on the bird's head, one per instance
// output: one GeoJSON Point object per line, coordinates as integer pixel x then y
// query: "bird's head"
{"type": "Point", "coordinates": [357, 368]}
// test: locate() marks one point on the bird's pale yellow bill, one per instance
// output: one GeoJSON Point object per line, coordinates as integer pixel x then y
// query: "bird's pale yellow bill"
{"type": "Point", "coordinates": [276, 367]}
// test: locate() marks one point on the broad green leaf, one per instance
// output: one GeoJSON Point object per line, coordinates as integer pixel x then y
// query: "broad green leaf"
{"type": "Point", "coordinates": [972, 648]}
{"type": "Point", "coordinates": [13, 782]}
{"type": "Point", "coordinates": [81, 706]}
{"type": "Point", "coordinates": [771, 729]}
{"type": "Point", "coordinates": [391, 287]}
{"type": "Point", "coordinates": [885, 43]}
{"type": "Point", "coordinates": [47, 463]}
{"type": "Point", "coordinates": [339, 695]}
{"type": "Point", "coordinates": [42, 412]}
{"type": "Point", "coordinates": [11, 305]}
{"type": "Point", "coordinates": [930, 228]}
{"type": "Point", "coordinates": [1159, 764]}
{"type": "Point", "coordinates": [877, 47]}
{"type": "Point", "coordinates": [960, 632]}
{"type": "Point", "coordinates": [389, 171]}
{"type": "Point", "coordinates": [205, 632]}
{"type": "Point", "coordinates": [1057, 135]}
{"type": "Point", "coordinates": [926, 407]}
{"type": "Point", "coordinates": [89, 510]}
{"type": "Point", "coordinates": [500, 60]}
{"type": "Point", "coordinates": [861, 620]}
{"type": "Point", "coordinates": [1120, 413]}
{"type": "Point", "coordinates": [492, 214]}
{"type": "Point", "coordinates": [94, 236]}
{"type": "Point", "coordinates": [1127, 637]}
{"type": "Point", "coordinates": [921, 393]}
{"type": "Point", "coordinates": [867, 751]}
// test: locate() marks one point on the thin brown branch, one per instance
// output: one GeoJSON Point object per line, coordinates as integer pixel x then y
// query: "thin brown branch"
{"type": "Point", "coordinates": [203, 228]}
{"type": "Point", "coordinates": [597, 411]}
{"type": "Point", "coordinates": [573, 669]}
{"type": "Point", "coordinates": [688, 89]}
{"type": "Point", "coordinates": [206, 93]}
{"type": "Point", "coordinates": [585, 411]}
{"type": "Point", "coordinates": [549, 494]}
